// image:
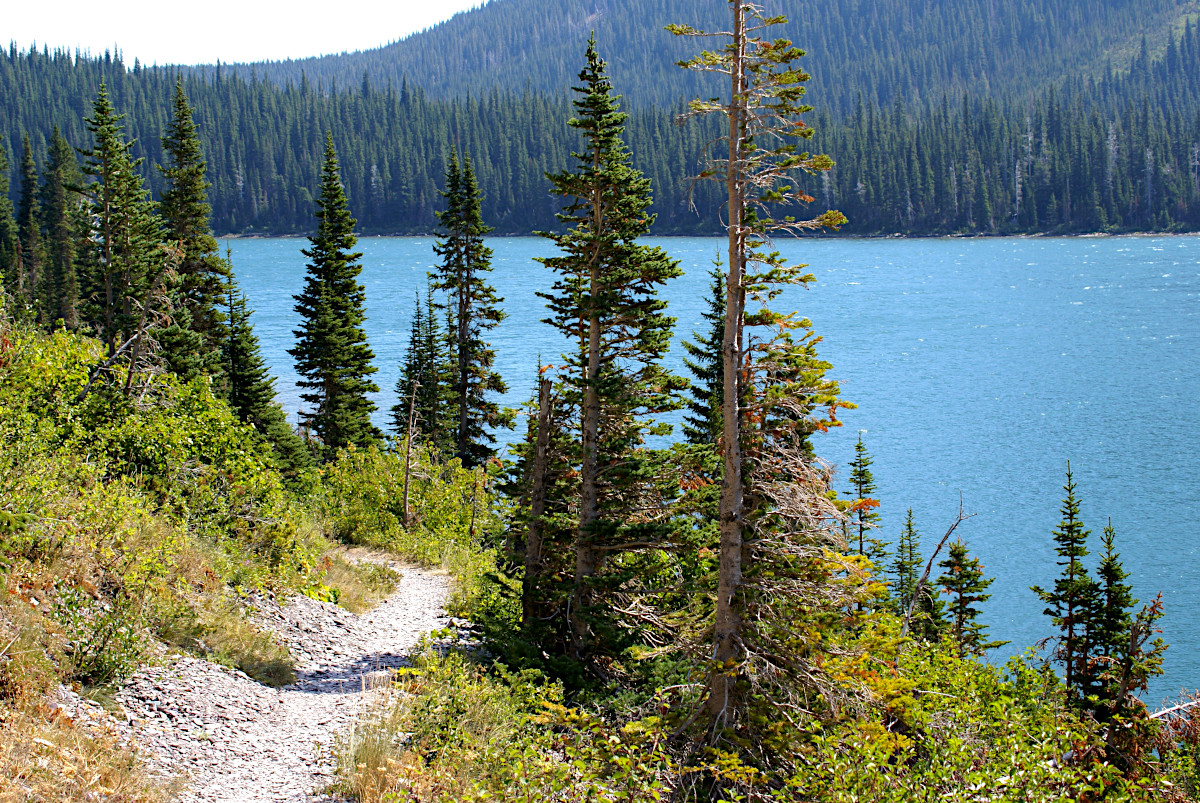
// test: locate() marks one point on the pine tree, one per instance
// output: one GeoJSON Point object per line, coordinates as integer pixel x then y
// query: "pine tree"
{"type": "Point", "coordinates": [474, 310]}
{"type": "Point", "coordinates": [702, 424]}
{"type": "Point", "coordinates": [29, 232]}
{"type": "Point", "coordinates": [192, 344]}
{"type": "Point", "coordinates": [130, 268]}
{"type": "Point", "coordinates": [250, 388]}
{"type": "Point", "coordinates": [61, 213]}
{"type": "Point", "coordinates": [1073, 601]}
{"type": "Point", "coordinates": [965, 584]}
{"type": "Point", "coordinates": [331, 353]}
{"type": "Point", "coordinates": [864, 516]}
{"type": "Point", "coordinates": [605, 302]}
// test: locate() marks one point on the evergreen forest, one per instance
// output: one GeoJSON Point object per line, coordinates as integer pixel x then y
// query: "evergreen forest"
{"type": "Point", "coordinates": [707, 616]}
{"type": "Point", "coordinates": [1111, 148]}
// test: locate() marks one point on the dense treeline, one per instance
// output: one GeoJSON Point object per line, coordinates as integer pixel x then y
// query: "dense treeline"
{"type": "Point", "coordinates": [910, 49]}
{"type": "Point", "coordinates": [1121, 153]}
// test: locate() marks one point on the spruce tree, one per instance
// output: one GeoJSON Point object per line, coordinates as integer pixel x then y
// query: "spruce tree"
{"type": "Point", "coordinates": [474, 310]}
{"type": "Point", "coordinates": [907, 566]}
{"type": "Point", "coordinates": [29, 232]}
{"type": "Point", "coordinates": [964, 583]}
{"type": "Point", "coordinates": [864, 507]}
{"type": "Point", "coordinates": [8, 234]}
{"type": "Point", "coordinates": [702, 423]}
{"type": "Point", "coordinates": [129, 266]}
{"type": "Point", "coordinates": [605, 301]}
{"type": "Point", "coordinates": [331, 353]}
{"type": "Point", "coordinates": [425, 380]}
{"type": "Point", "coordinates": [928, 622]}
{"type": "Point", "coordinates": [1073, 601]}
{"type": "Point", "coordinates": [61, 211]}
{"type": "Point", "coordinates": [192, 343]}
{"type": "Point", "coordinates": [1116, 600]}
{"type": "Point", "coordinates": [250, 388]}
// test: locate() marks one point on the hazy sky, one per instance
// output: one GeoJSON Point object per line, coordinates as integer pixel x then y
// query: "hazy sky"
{"type": "Point", "coordinates": [178, 32]}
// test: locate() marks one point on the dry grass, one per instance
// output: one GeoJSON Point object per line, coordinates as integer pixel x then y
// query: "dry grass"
{"type": "Point", "coordinates": [216, 628]}
{"type": "Point", "coordinates": [61, 761]}
{"type": "Point", "coordinates": [361, 582]}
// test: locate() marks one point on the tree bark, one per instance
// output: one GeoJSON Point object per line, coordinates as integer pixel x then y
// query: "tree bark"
{"type": "Point", "coordinates": [722, 702]}
{"type": "Point", "coordinates": [537, 506]}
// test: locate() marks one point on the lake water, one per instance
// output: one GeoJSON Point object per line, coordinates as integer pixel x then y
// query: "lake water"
{"type": "Point", "coordinates": [979, 368]}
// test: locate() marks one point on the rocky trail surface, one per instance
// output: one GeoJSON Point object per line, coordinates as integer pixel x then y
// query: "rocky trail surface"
{"type": "Point", "coordinates": [229, 739]}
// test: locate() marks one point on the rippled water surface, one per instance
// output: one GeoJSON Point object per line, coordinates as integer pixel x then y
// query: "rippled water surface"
{"type": "Point", "coordinates": [979, 368]}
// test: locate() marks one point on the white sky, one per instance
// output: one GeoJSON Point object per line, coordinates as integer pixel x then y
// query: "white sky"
{"type": "Point", "coordinates": [180, 32]}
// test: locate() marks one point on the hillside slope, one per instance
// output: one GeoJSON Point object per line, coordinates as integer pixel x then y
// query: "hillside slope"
{"type": "Point", "coordinates": [886, 49]}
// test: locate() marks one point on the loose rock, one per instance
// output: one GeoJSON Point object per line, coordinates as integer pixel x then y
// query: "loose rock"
{"type": "Point", "coordinates": [233, 740]}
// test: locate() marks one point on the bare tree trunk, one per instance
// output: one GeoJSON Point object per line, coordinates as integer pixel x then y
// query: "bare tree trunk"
{"type": "Point", "coordinates": [728, 618]}
{"type": "Point", "coordinates": [537, 506]}
{"type": "Point", "coordinates": [412, 412]}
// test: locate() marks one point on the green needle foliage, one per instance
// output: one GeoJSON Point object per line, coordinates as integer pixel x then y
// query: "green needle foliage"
{"type": "Point", "coordinates": [29, 232]}
{"type": "Point", "coordinates": [702, 423]}
{"type": "Point", "coordinates": [192, 345]}
{"type": "Point", "coordinates": [965, 584]}
{"type": "Point", "coordinates": [331, 353]}
{"type": "Point", "coordinates": [927, 623]}
{"type": "Point", "coordinates": [8, 233]}
{"type": "Point", "coordinates": [865, 517]}
{"type": "Point", "coordinates": [777, 522]}
{"type": "Point", "coordinates": [605, 303]}
{"type": "Point", "coordinates": [474, 310]}
{"type": "Point", "coordinates": [129, 267]}
{"type": "Point", "coordinates": [1073, 602]}
{"type": "Point", "coordinates": [62, 215]}
{"type": "Point", "coordinates": [250, 388]}
{"type": "Point", "coordinates": [1116, 599]}
{"type": "Point", "coordinates": [425, 381]}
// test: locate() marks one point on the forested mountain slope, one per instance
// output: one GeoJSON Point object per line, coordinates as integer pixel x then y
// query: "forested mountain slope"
{"type": "Point", "coordinates": [1121, 153]}
{"type": "Point", "coordinates": [914, 50]}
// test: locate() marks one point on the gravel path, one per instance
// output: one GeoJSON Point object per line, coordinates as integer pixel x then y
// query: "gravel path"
{"type": "Point", "coordinates": [232, 740]}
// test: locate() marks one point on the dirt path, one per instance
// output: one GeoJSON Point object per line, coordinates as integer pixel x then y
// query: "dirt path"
{"type": "Point", "coordinates": [233, 740]}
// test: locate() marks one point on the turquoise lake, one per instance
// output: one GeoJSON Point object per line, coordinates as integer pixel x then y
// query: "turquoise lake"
{"type": "Point", "coordinates": [979, 367]}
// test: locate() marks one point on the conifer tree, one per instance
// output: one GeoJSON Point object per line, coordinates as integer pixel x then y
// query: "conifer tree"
{"type": "Point", "coordinates": [1116, 600]}
{"type": "Point", "coordinates": [331, 353]}
{"type": "Point", "coordinates": [9, 241]}
{"type": "Point", "coordinates": [775, 514]}
{"type": "Point", "coordinates": [130, 267]}
{"type": "Point", "coordinates": [424, 381]}
{"type": "Point", "coordinates": [61, 213]}
{"type": "Point", "coordinates": [605, 302]}
{"type": "Point", "coordinates": [865, 516]}
{"type": "Point", "coordinates": [474, 310]}
{"type": "Point", "coordinates": [192, 344]}
{"type": "Point", "coordinates": [927, 622]}
{"type": "Point", "coordinates": [29, 232]}
{"type": "Point", "coordinates": [907, 566]}
{"type": "Point", "coordinates": [965, 584]}
{"type": "Point", "coordinates": [702, 424]}
{"type": "Point", "coordinates": [250, 388]}
{"type": "Point", "coordinates": [1073, 602]}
